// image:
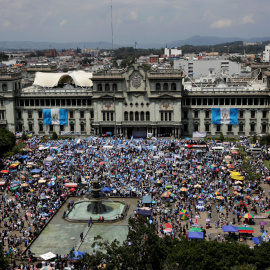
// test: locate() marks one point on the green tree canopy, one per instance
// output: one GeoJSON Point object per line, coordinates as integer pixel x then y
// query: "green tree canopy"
{"type": "Point", "coordinates": [7, 140]}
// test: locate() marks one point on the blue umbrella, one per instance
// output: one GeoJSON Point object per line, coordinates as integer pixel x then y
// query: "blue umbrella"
{"type": "Point", "coordinates": [106, 189]}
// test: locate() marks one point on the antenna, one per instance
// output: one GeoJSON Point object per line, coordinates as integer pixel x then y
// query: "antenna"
{"type": "Point", "coordinates": [112, 26]}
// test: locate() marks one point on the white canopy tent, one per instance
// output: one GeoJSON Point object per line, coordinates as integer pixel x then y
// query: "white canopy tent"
{"type": "Point", "coordinates": [79, 78]}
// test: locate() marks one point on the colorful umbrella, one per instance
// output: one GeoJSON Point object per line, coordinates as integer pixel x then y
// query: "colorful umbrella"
{"type": "Point", "coordinates": [195, 229]}
{"type": "Point", "coordinates": [166, 194]}
{"type": "Point", "coordinates": [217, 193]}
{"type": "Point", "coordinates": [248, 216]}
{"type": "Point", "coordinates": [183, 189]}
{"type": "Point", "coordinates": [199, 167]}
{"type": "Point", "coordinates": [4, 171]}
{"type": "Point", "coordinates": [183, 214]}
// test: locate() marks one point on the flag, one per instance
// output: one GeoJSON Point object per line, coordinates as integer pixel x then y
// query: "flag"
{"type": "Point", "coordinates": [55, 116]}
{"type": "Point", "coordinates": [227, 116]}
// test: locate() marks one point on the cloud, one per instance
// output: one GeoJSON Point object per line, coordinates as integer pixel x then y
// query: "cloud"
{"type": "Point", "coordinates": [134, 15]}
{"type": "Point", "coordinates": [247, 19]}
{"type": "Point", "coordinates": [223, 23]}
{"type": "Point", "coordinates": [63, 22]}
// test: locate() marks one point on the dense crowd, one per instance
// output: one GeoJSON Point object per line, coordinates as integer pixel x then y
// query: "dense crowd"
{"type": "Point", "coordinates": [35, 183]}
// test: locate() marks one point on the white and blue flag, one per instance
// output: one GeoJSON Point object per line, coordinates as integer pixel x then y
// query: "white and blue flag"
{"type": "Point", "coordinates": [227, 116]}
{"type": "Point", "coordinates": [55, 116]}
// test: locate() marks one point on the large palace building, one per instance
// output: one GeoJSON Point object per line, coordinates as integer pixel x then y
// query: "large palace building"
{"type": "Point", "coordinates": [132, 102]}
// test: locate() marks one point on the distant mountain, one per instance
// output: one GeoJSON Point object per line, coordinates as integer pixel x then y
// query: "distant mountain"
{"type": "Point", "coordinates": [205, 41]}
{"type": "Point", "coordinates": [195, 41]}
{"type": "Point", "coordinates": [32, 45]}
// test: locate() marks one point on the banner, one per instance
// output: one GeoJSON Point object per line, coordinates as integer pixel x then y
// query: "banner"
{"type": "Point", "coordinates": [227, 116]}
{"type": "Point", "coordinates": [55, 116]}
{"type": "Point", "coordinates": [199, 134]}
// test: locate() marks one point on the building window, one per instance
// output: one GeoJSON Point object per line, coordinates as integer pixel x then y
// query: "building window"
{"type": "Point", "coordinates": [185, 127]}
{"type": "Point", "coordinates": [30, 127]}
{"type": "Point", "coordinates": [2, 115]}
{"type": "Point", "coordinates": [114, 86]}
{"type": "Point", "coordinates": [196, 114]}
{"type": "Point", "coordinates": [158, 87]}
{"type": "Point", "coordinates": [142, 116]}
{"type": "Point", "coordinates": [82, 127]}
{"type": "Point", "coordinates": [125, 116]}
{"type": "Point", "coordinates": [194, 101]}
{"type": "Point", "coordinates": [170, 116]}
{"type": "Point", "coordinates": [185, 114]}
{"type": "Point", "coordinates": [61, 128]}
{"type": "Point", "coordinates": [108, 116]}
{"type": "Point", "coordinates": [92, 114]}
{"type": "Point", "coordinates": [232, 101]}
{"type": "Point", "coordinates": [241, 114]}
{"type": "Point", "coordinates": [99, 87]}
{"type": "Point", "coordinates": [81, 114]}
{"type": "Point", "coordinates": [131, 116]}
{"type": "Point", "coordinates": [229, 128]}
{"type": "Point", "coordinates": [111, 116]}
{"type": "Point", "coordinates": [166, 116]}
{"type": "Point", "coordinates": [207, 127]}
{"type": "Point", "coordinates": [252, 114]}
{"type": "Point", "coordinates": [104, 116]}
{"type": "Point", "coordinates": [30, 115]}
{"type": "Point", "coordinates": [196, 127]}
{"type": "Point", "coordinates": [207, 114]}
{"type": "Point", "coordinates": [147, 116]}
{"type": "Point", "coordinates": [173, 86]}
{"type": "Point", "coordinates": [264, 126]}
{"type": "Point", "coordinates": [210, 101]}
{"type": "Point", "coordinates": [137, 116]}
{"type": "Point", "coordinates": [136, 105]}
{"type": "Point", "coordinates": [165, 87]}
{"type": "Point", "coordinates": [71, 127]}
{"type": "Point", "coordinates": [40, 127]}
{"type": "Point", "coordinates": [252, 127]}
{"type": "Point", "coordinates": [19, 114]}
{"type": "Point", "coordinates": [218, 128]}
{"type": "Point", "coordinates": [215, 101]}
{"type": "Point", "coordinates": [71, 114]}
{"type": "Point", "coordinates": [51, 128]}
{"type": "Point", "coordinates": [40, 114]}
{"type": "Point", "coordinates": [241, 127]}
{"type": "Point", "coordinates": [264, 114]}
{"type": "Point", "coordinates": [107, 87]}
{"type": "Point", "coordinates": [4, 87]}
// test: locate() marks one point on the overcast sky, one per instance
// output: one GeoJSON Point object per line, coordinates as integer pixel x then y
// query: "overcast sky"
{"type": "Point", "coordinates": [144, 21]}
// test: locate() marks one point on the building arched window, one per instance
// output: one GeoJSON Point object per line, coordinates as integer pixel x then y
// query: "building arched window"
{"type": "Point", "coordinates": [4, 87]}
{"type": "Point", "coordinates": [165, 87]}
{"type": "Point", "coordinates": [131, 118]}
{"type": "Point", "coordinates": [107, 87]}
{"type": "Point", "coordinates": [137, 116]}
{"type": "Point", "coordinates": [142, 116]}
{"type": "Point", "coordinates": [147, 114]}
{"type": "Point", "coordinates": [173, 86]}
{"type": "Point", "coordinates": [158, 86]}
{"type": "Point", "coordinates": [125, 116]}
{"type": "Point", "coordinates": [99, 87]}
{"type": "Point", "coordinates": [114, 87]}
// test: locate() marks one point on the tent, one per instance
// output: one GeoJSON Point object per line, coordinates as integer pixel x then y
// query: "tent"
{"type": "Point", "coordinates": [229, 228]}
{"type": "Point", "coordinates": [36, 171]}
{"type": "Point", "coordinates": [77, 255]}
{"type": "Point", "coordinates": [47, 256]}
{"type": "Point", "coordinates": [245, 230]}
{"type": "Point", "coordinates": [195, 235]}
{"type": "Point", "coordinates": [147, 199]}
{"type": "Point", "coordinates": [257, 240]}
{"type": "Point", "coordinates": [145, 211]}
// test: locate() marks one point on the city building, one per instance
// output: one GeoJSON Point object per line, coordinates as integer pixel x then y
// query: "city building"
{"type": "Point", "coordinates": [200, 68]}
{"type": "Point", "coordinates": [173, 52]}
{"type": "Point", "coordinates": [133, 102]}
{"type": "Point", "coordinates": [266, 54]}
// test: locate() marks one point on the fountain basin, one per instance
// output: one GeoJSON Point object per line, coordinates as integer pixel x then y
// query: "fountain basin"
{"type": "Point", "coordinates": [80, 211]}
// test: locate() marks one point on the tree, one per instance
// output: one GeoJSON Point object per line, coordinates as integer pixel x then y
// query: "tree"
{"type": "Point", "coordinates": [254, 138]}
{"type": "Point", "coordinates": [221, 137]}
{"type": "Point", "coordinates": [54, 136]}
{"type": "Point", "coordinates": [24, 138]}
{"type": "Point", "coordinates": [7, 140]}
{"type": "Point", "coordinates": [4, 261]}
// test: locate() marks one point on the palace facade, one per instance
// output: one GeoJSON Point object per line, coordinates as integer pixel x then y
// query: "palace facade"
{"type": "Point", "coordinates": [132, 102]}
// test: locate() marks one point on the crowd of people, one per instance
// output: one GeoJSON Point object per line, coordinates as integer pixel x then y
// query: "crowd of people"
{"type": "Point", "coordinates": [36, 182]}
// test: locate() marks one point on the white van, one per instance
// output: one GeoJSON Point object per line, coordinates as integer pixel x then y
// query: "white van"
{"type": "Point", "coordinates": [217, 149]}
{"type": "Point", "coordinates": [254, 150]}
